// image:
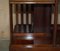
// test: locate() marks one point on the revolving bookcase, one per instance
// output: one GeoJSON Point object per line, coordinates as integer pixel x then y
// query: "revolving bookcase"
{"type": "Point", "coordinates": [30, 25]}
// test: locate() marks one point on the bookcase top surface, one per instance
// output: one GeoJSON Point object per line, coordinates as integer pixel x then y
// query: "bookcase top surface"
{"type": "Point", "coordinates": [32, 0]}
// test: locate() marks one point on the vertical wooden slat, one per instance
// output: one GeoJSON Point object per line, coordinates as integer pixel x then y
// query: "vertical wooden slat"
{"type": "Point", "coordinates": [55, 21]}
{"type": "Point", "coordinates": [30, 18]}
{"type": "Point", "coordinates": [25, 11]}
{"type": "Point", "coordinates": [16, 8]}
{"type": "Point", "coordinates": [22, 29]}
{"type": "Point", "coordinates": [19, 15]}
{"type": "Point", "coordinates": [11, 22]}
{"type": "Point", "coordinates": [11, 19]}
{"type": "Point", "coordinates": [26, 15]}
{"type": "Point", "coordinates": [22, 14]}
{"type": "Point", "coordinates": [32, 10]}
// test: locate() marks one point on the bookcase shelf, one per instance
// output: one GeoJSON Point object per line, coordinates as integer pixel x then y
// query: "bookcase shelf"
{"type": "Point", "coordinates": [35, 48]}
{"type": "Point", "coordinates": [30, 25]}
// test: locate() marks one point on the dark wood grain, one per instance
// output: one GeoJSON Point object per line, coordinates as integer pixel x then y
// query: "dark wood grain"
{"type": "Point", "coordinates": [34, 48]}
{"type": "Point", "coordinates": [32, 34]}
{"type": "Point", "coordinates": [11, 21]}
{"type": "Point", "coordinates": [55, 22]}
{"type": "Point", "coordinates": [19, 42]}
{"type": "Point", "coordinates": [16, 11]}
{"type": "Point", "coordinates": [32, 0]}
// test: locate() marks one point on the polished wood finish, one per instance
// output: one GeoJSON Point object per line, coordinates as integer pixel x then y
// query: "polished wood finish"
{"type": "Point", "coordinates": [55, 21]}
{"type": "Point", "coordinates": [31, 38]}
{"type": "Point", "coordinates": [34, 48]}
{"type": "Point", "coordinates": [20, 42]}
{"type": "Point", "coordinates": [31, 0]}
{"type": "Point", "coordinates": [32, 34]}
{"type": "Point", "coordinates": [32, 45]}
{"type": "Point", "coordinates": [17, 11]}
{"type": "Point", "coordinates": [11, 22]}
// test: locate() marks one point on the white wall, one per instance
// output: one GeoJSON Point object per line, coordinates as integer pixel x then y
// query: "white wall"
{"type": "Point", "coordinates": [4, 19]}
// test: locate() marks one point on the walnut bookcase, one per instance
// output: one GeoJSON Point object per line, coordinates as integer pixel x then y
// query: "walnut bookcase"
{"type": "Point", "coordinates": [30, 25]}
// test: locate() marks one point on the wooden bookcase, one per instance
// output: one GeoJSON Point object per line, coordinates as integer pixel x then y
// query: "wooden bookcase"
{"type": "Point", "coordinates": [30, 25]}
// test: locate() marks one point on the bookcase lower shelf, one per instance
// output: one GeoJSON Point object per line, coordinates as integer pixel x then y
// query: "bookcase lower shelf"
{"type": "Point", "coordinates": [31, 38]}
{"type": "Point", "coordinates": [18, 40]}
{"type": "Point", "coordinates": [41, 47]}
